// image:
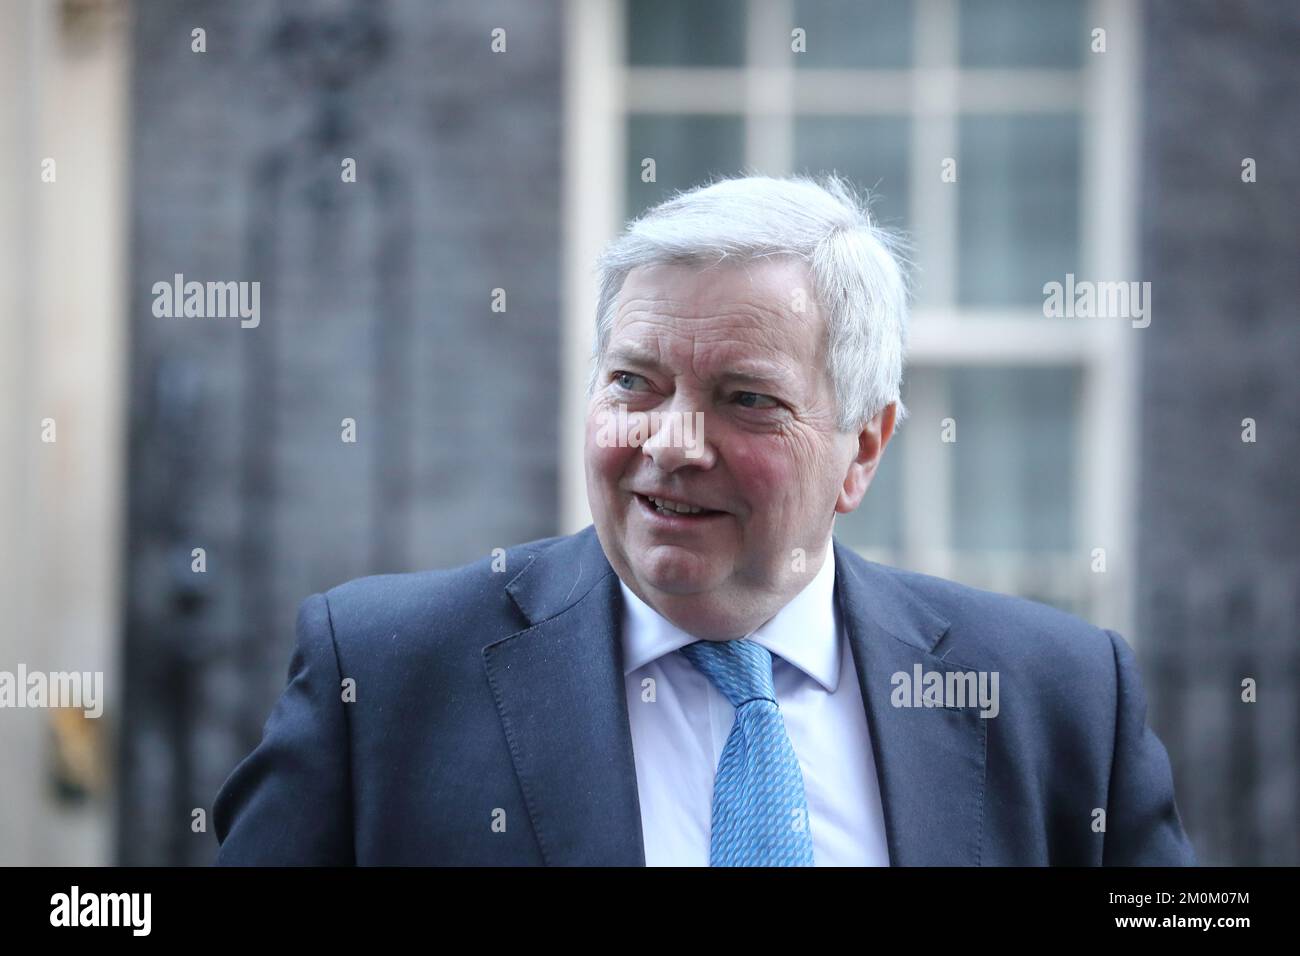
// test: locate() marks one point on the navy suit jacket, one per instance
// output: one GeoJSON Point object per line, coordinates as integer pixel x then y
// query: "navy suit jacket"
{"type": "Point", "coordinates": [490, 726]}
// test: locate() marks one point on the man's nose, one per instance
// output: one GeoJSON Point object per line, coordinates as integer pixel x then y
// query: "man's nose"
{"type": "Point", "coordinates": [678, 438]}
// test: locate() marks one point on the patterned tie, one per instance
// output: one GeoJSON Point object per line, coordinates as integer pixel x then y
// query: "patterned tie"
{"type": "Point", "coordinates": [760, 814]}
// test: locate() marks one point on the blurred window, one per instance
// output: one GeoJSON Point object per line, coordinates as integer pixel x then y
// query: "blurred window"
{"type": "Point", "coordinates": [1022, 33]}
{"type": "Point", "coordinates": [873, 151]}
{"type": "Point", "coordinates": [1017, 208]}
{"type": "Point", "coordinates": [687, 150]}
{"type": "Point", "coordinates": [686, 32]}
{"type": "Point", "coordinates": [853, 34]}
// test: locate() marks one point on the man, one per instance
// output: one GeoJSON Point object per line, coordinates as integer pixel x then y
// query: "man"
{"type": "Point", "coordinates": [705, 676]}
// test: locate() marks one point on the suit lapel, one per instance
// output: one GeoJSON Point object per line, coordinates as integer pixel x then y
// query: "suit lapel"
{"type": "Point", "coordinates": [559, 690]}
{"type": "Point", "coordinates": [930, 761]}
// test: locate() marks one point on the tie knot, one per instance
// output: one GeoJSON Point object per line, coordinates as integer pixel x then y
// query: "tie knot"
{"type": "Point", "coordinates": [740, 669]}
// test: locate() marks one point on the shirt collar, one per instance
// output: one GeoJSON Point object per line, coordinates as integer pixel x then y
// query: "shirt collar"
{"type": "Point", "coordinates": [805, 632]}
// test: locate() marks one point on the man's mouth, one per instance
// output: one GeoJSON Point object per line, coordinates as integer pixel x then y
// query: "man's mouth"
{"type": "Point", "coordinates": [669, 509]}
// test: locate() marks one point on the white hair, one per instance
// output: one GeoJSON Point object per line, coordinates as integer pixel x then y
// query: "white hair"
{"type": "Point", "coordinates": [858, 270]}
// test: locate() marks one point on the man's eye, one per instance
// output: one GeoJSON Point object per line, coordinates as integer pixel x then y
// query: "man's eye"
{"type": "Point", "coordinates": [755, 400]}
{"type": "Point", "coordinates": [626, 380]}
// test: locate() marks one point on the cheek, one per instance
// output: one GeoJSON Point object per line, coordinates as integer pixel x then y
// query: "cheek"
{"type": "Point", "coordinates": [606, 462]}
{"type": "Point", "coordinates": [782, 479]}
{"type": "Point", "coordinates": [764, 469]}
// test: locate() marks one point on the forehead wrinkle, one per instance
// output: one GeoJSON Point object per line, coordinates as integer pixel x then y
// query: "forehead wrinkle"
{"type": "Point", "coordinates": [758, 308]}
{"type": "Point", "coordinates": [769, 365]}
{"type": "Point", "coordinates": [768, 323]}
{"type": "Point", "coordinates": [725, 353]}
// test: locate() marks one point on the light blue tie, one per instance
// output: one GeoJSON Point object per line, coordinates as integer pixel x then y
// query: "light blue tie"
{"type": "Point", "coordinates": [760, 814]}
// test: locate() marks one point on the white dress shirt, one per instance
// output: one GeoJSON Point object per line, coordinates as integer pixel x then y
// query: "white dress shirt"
{"type": "Point", "coordinates": [677, 738]}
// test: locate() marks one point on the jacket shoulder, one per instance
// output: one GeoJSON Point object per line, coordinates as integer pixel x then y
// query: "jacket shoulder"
{"type": "Point", "coordinates": [433, 602]}
{"type": "Point", "coordinates": [994, 630]}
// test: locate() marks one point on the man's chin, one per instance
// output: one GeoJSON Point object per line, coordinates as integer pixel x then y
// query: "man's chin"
{"type": "Point", "coordinates": [671, 569]}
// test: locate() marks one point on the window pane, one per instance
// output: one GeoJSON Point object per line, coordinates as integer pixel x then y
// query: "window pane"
{"type": "Point", "coordinates": [874, 34]}
{"type": "Point", "coordinates": [1018, 206]}
{"type": "Point", "coordinates": [1015, 457]}
{"type": "Point", "coordinates": [686, 32]}
{"type": "Point", "coordinates": [1027, 33]}
{"type": "Point", "coordinates": [871, 152]}
{"type": "Point", "coordinates": [687, 151]}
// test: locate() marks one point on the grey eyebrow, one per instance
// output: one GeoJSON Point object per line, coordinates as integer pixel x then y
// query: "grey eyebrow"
{"type": "Point", "coordinates": [774, 376]}
{"type": "Point", "coordinates": [626, 353]}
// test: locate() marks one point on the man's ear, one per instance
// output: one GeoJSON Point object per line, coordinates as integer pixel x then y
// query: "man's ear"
{"type": "Point", "coordinates": [872, 440]}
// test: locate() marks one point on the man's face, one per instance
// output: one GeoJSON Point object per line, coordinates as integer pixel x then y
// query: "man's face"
{"type": "Point", "coordinates": [770, 469]}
